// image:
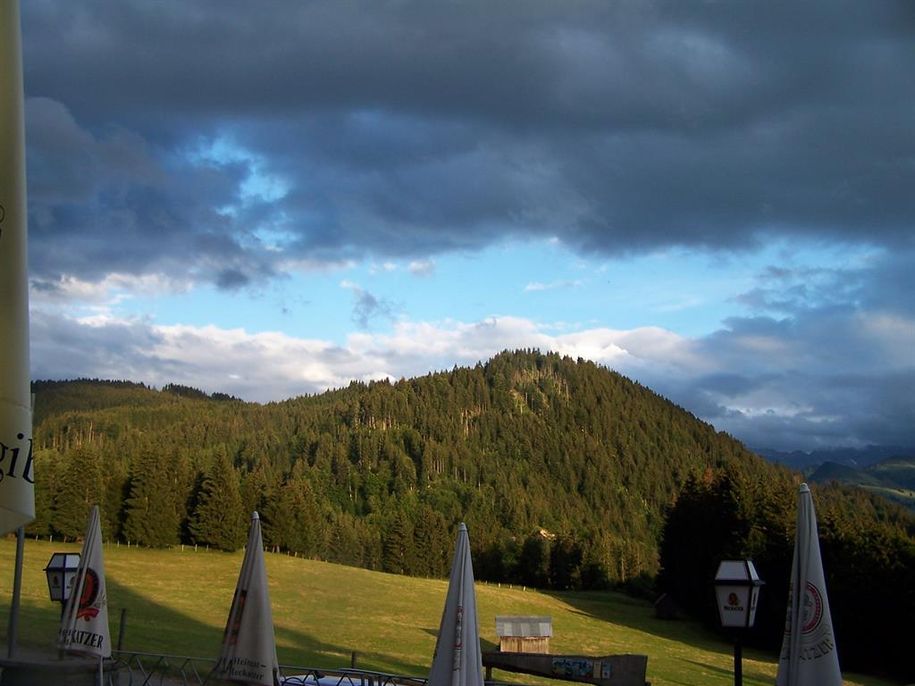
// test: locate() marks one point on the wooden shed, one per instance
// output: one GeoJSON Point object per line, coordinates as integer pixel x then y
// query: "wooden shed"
{"type": "Point", "coordinates": [524, 634]}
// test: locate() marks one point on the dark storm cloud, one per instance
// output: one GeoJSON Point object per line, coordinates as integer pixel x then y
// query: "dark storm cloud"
{"type": "Point", "coordinates": [815, 374]}
{"type": "Point", "coordinates": [411, 128]}
{"type": "Point", "coordinates": [891, 283]}
{"type": "Point", "coordinates": [112, 203]}
{"type": "Point", "coordinates": [367, 307]}
{"type": "Point", "coordinates": [825, 410]}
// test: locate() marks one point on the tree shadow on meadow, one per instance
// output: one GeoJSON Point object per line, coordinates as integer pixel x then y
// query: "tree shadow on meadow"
{"type": "Point", "coordinates": [152, 627]}
{"type": "Point", "coordinates": [677, 643]}
{"type": "Point", "coordinates": [639, 615]}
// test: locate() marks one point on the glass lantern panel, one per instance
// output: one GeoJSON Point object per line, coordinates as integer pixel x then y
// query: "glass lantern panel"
{"type": "Point", "coordinates": [733, 605]}
{"type": "Point", "coordinates": [69, 578]}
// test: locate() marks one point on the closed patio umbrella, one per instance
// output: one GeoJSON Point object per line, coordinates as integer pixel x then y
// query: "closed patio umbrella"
{"type": "Point", "coordinates": [84, 625]}
{"type": "Point", "coordinates": [17, 501]}
{"type": "Point", "coordinates": [248, 651]}
{"type": "Point", "coordinates": [808, 656]}
{"type": "Point", "coordinates": [457, 660]}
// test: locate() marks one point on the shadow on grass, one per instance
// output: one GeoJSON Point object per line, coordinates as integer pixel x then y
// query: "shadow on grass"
{"type": "Point", "coordinates": [155, 628]}
{"type": "Point", "coordinates": [618, 608]}
{"type": "Point", "coordinates": [747, 674]}
{"type": "Point", "coordinates": [637, 614]}
{"type": "Point", "coordinates": [151, 627]}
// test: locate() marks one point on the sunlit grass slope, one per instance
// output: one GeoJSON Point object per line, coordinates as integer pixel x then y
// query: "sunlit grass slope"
{"type": "Point", "coordinates": [177, 601]}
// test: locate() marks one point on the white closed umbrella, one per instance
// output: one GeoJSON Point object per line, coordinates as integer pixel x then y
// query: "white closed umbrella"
{"type": "Point", "coordinates": [457, 660]}
{"type": "Point", "coordinates": [84, 625]}
{"type": "Point", "coordinates": [808, 656]}
{"type": "Point", "coordinates": [248, 651]}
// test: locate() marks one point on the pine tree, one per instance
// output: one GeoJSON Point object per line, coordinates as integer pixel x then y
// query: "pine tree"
{"type": "Point", "coordinates": [432, 543]}
{"type": "Point", "coordinates": [152, 517]}
{"type": "Point", "coordinates": [293, 517]}
{"type": "Point", "coordinates": [79, 488]}
{"type": "Point", "coordinates": [117, 491]}
{"type": "Point", "coordinates": [343, 544]}
{"type": "Point", "coordinates": [565, 564]}
{"type": "Point", "coordinates": [534, 561]}
{"type": "Point", "coordinates": [397, 547]}
{"type": "Point", "coordinates": [47, 471]}
{"type": "Point", "coordinates": [219, 520]}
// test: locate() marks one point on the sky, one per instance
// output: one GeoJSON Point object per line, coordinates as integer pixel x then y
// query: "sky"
{"type": "Point", "coordinates": [271, 199]}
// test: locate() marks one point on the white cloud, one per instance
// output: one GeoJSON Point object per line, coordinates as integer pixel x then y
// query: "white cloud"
{"type": "Point", "coordinates": [112, 290]}
{"type": "Point", "coordinates": [310, 265]}
{"type": "Point", "coordinates": [770, 389]}
{"type": "Point", "coordinates": [271, 366]}
{"type": "Point", "coordinates": [421, 267]}
{"type": "Point", "coordinates": [535, 286]}
{"type": "Point", "coordinates": [383, 267]}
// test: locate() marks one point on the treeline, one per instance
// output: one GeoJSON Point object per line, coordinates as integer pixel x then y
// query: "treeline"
{"type": "Point", "coordinates": [868, 555]}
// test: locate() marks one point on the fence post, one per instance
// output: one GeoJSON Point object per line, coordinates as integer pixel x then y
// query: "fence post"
{"type": "Point", "coordinates": [121, 628]}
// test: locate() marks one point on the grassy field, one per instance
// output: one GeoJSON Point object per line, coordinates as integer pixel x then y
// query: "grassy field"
{"type": "Point", "coordinates": [903, 496]}
{"type": "Point", "coordinates": [177, 601]}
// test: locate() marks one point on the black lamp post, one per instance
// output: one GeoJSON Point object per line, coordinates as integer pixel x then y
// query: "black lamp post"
{"type": "Point", "coordinates": [737, 590]}
{"type": "Point", "coordinates": [61, 571]}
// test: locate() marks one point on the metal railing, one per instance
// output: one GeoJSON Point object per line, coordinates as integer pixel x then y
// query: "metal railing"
{"type": "Point", "coordinates": [346, 677]}
{"type": "Point", "coordinates": [150, 669]}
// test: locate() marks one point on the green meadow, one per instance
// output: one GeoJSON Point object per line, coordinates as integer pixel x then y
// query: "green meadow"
{"type": "Point", "coordinates": [177, 600]}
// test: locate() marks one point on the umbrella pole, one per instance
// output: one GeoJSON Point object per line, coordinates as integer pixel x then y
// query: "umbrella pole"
{"type": "Point", "coordinates": [13, 632]}
{"type": "Point", "coordinates": [738, 661]}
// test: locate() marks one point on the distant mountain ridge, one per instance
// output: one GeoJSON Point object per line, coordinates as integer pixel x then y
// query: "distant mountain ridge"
{"type": "Point", "coordinates": [859, 458]}
{"type": "Point", "coordinates": [893, 478]}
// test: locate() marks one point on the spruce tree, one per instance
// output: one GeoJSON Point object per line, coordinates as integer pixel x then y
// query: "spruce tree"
{"type": "Point", "coordinates": [344, 545]}
{"type": "Point", "coordinates": [80, 487]}
{"type": "Point", "coordinates": [151, 517]}
{"type": "Point", "coordinates": [219, 520]}
{"type": "Point", "coordinates": [397, 546]}
{"type": "Point", "coordinates": [432, 543]}
{"type": "Point", "coordinates": [47, 475]}
{"type": "Point", "coordinates": [534, 561]}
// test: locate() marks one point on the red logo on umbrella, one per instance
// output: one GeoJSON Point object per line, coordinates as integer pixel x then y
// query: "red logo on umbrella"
{"type": "Point", "coordinates": [90, 592]}
{"type": "Point", "coordinates": [812, 612]}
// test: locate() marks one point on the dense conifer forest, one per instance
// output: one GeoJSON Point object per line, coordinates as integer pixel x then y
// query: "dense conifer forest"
{"type": "Point", "coordinates": [569, 476]}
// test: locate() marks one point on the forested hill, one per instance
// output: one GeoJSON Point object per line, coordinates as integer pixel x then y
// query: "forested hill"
{"type": "Point", "coordinates": [527, 448]}
{"type": "Point", "coordinates": [567, 474]}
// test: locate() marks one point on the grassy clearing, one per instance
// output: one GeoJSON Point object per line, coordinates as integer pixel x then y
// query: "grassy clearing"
{"type": "Point", "coordinates": [177, 601]}
{"type": "Point", "coordinates": [903, 496]}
